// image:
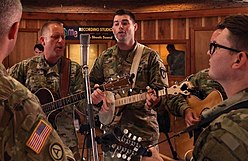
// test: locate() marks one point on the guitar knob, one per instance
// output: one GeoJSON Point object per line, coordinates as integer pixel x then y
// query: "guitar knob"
{"type": "Point", "coordinates": [123, 92]}
{"type": "Point", "coordinates": [134, 137]}
{"type": "Point", "coordinates": [118, 155]}
{"type": "Point", "coordinates": [139, 139]}
{"type": "Point", "coordinates": [124, 156]}
{"type": "Point", "coordinates": [125, 131]}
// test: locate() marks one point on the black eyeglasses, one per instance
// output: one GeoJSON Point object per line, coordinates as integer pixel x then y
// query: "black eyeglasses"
{"type": "Point", "coordinates": [214, 45]}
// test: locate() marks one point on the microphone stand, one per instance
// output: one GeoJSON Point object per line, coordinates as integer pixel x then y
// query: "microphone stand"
{"type": "Point", "coordinates": [89, 107]}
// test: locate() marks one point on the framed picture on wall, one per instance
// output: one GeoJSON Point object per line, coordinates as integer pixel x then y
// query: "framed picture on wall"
{"type": "Point", "coordinates": [175, 55]}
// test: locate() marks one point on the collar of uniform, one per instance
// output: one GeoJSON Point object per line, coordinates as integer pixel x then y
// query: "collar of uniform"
{"type": "Point", "coordinates": [131, 53]}
{"type": "Point", "coordinates": [3, 70]}
{"type": "Point", "coordinates": [45, 66]}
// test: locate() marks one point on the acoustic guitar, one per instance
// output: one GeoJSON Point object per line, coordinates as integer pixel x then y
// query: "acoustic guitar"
{"type": "Point", "coordinates": [52, 107]}
{"type": "Point", "coordinates": [198, 105]}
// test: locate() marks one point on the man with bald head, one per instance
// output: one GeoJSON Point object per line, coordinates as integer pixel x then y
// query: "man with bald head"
{"type": "Point", "coordinates": [25, 133]}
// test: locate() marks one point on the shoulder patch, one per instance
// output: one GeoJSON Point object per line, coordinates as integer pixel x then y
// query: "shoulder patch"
{"type": "Point", "coordinates": [38, 138]}
{"type": "Point", "coordinates": [56, 151]}
{"type": "Point", "coordinates": [163, 72]}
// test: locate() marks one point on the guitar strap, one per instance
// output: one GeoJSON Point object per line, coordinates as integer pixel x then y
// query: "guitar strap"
{"type": "Point", "coordinates": [136, 62]}
{"type": "Point", "coordinates": [64, 77]}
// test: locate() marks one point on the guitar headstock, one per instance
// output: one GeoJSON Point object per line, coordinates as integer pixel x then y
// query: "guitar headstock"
{"type": "Point", "coordinates": [182, 88]}
{"type": "Point", "coordinates": [122, 144]}
{"type": "Point", "coordinates": [118, 83]}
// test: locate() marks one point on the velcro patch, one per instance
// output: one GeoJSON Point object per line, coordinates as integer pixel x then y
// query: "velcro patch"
{"type": "Point", "coordinates": [38, 138]}
{"type": "Point", "coordinates": [56, 151]}
{"type": "Point", "coordinates": [163, 72]}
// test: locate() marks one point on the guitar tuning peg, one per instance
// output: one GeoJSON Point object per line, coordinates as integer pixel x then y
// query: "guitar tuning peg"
{"type": "Point", "coordinates": [114, 146]}
{"type": "Point", "coordinates": [125, 131]}
{"type": "Point", "coordinates": [111, 79]}
{"type": "Point", "coordinates": [139, 139]}
{"type": "Point", "coordinates": [118, 155]}
{"type": "Point", "coordinates": [123, 91]}
{"type": "Point", "coordinates": [124, 156]}
{"type": "Point", "coordinates": [129, 135]}
{"type": "Point", "coordinates": [118, 76]}
{"type": "Point", "coordinates": [128, 158]}
{"type": "Point", "coordinates": [134, 137]}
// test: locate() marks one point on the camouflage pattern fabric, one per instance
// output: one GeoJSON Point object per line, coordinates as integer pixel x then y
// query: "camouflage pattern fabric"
{"type": "Point", "coordinates": [151, 72]}
{"type": "Point", "coordinates": [20, 113]}
{"type": "Point", "coordinates": [203, 84]}
{"type": "Point", "coordinates": [226, 138]}
{"type": "Point", "coordinates": [35, 73]}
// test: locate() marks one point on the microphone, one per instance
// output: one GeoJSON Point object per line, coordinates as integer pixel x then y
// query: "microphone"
{"type": "Point", "coordinates": [84, 48]}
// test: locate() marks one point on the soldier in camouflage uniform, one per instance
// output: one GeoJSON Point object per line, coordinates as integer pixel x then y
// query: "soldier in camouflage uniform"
{"type": "Point", "coordinates": [226, 137]}
{"type": "Point", "coordinates": [202, 84]}
{"type": "Point", "coordinates": [43, 71]}
{"type": "Point", "coordinates": [139, 118]}
{"type": "Point", "coordinates": [25, 133]}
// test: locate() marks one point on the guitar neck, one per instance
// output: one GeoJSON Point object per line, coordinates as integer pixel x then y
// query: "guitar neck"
{"type": "Point", "coordinates": [60, 103]}
{"type": "Point", "coordinates": [142, 96]}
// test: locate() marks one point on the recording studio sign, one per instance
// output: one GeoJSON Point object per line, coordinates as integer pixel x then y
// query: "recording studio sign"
{"type": "Point", "coordinates": [96, 33]}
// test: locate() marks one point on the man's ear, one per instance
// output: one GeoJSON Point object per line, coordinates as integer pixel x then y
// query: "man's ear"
{"type": "Point", "coordinates": [135, 27]}
{"type": "Point", "coordinates": [42, 40]}
{"type": "Point", "coordinates": [13, 30]}
{"type": "Point", "coordinates": [240, 59]}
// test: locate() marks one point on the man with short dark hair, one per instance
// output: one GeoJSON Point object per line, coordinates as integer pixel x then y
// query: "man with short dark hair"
{"type": "Point", "coordinates": [38, 49]}
{"type": "Point", "coordinates": [140, 117]}
{"type": "Point", "coordinates": [226, 136]}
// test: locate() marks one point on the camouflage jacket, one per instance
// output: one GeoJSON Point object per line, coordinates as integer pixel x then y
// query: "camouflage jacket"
{"type": "Point", "coordinates": [25, 134]}
{"type": "Point", "coordinates": [203, 85]}
{"type": "Point", "coordinates": [226, 138]}
{"type": "Point", "coordinates": [151, 72]}
{"type": "Point", "coordinates": [35, 73]}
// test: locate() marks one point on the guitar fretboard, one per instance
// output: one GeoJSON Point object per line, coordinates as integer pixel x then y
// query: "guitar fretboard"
{"type": "Point", "coordinates": [174, 90]}
{"type": "Point", "coordinates": [48, 107]}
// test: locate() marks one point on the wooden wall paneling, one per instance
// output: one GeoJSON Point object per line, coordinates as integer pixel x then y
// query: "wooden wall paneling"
{"type": "Point", "coordinates": [200, 38]}
{"type": "Point", "coordinates": [24, 46]}
{"type": "Point", "coordinates": [179, 28]}
{"type": "Point", "coordinates": [164, 30]}
{"type": "Point", "coordinates": [195, 22]}
{"type": "Point", "coordinates": [23, 23]}
{"type": "Point", "coordinates": [149, 31]}
{"type": "Point", "coordinates": [32, 24]}
{"type": "Point", "coordinates": [211, 21]}
{"type": "Point", "coordinates": [138, 32]}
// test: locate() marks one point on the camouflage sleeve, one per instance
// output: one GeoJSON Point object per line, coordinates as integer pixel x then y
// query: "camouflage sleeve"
{"type": "Point", "coordinates": [17, 71]}
{"type": "Point", "coordinates": [225, 138]}
{"type": "Point", "coordinates": [177, 104]}
{"type": "Point", "coordinates": [158, 77]}
{"type": "Point", "coordinates": [34, 137]}
{"type": "Point", "coordinates": [96, 73]}
{"type": "Point", "coordinates": [202, 85]}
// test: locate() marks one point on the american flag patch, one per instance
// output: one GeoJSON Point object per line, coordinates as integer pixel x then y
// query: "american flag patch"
{"type": "Point", "coordinates": [39, 136]}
